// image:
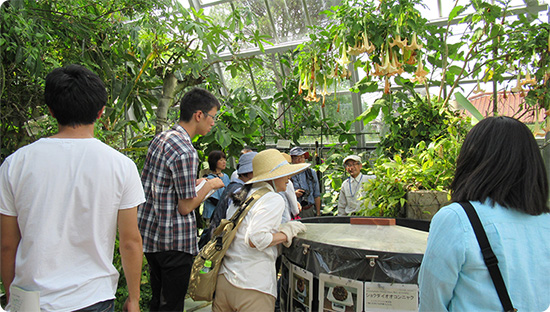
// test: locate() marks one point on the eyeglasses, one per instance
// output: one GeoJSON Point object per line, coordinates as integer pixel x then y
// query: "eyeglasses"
{"type": "Point", "coordinates": [348, 165]}
{"type": "Point", "coordinates": [215, 118]}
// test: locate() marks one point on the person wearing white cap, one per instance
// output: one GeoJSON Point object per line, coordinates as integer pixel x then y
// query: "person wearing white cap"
{"type": "Point", "coordinates": [348, 201]}
{"type": "Point", "coordinates": [247, 280]}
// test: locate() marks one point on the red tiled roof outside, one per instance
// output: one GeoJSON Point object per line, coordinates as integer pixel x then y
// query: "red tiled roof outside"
{"type": "Point", "coordinates": [508, 104]}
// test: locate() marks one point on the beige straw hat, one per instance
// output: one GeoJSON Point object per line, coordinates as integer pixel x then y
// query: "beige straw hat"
{"type": "Point", "coordinates": [271, 164]}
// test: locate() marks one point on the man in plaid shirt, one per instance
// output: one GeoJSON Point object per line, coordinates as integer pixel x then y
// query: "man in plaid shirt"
{"type": "Point", "coordinates": [167, 218]}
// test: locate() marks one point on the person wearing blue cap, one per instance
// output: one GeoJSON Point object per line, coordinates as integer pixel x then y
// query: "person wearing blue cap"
{"type": "Point", "coordinates": [306, 185]}
{"type": "Point", "coordinates": [245, 173]}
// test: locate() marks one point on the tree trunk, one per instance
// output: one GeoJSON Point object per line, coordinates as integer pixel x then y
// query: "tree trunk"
{"type": "Point", "coordinates": [170, 84]}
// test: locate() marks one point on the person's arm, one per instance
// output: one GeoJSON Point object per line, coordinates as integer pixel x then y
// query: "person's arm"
{"type": "Point", "coordinates": [278, 238]}
{"type": "Point", "coordinates": [10, 238]}
{"type": "Point", "coordinates": [442, 262]}
{"type": "Point", "coordinates": [186, 205]}
{"type": "Point", "coordinates": [342, 202]}
{"type": "Point", "coordinates": [316, 192]}
{"type": "Point", "coordinates": [318, 205]}
{"type": "Point", "coordinates": [131, 252]}
{"type": "Point", "coordinates": [265, 216]}
{"type": "Point", "coordinates": [292, 200]}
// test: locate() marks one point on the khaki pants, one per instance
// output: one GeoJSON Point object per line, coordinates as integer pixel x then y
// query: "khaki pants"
{"type": "Point", "coordinates": [231, 298]}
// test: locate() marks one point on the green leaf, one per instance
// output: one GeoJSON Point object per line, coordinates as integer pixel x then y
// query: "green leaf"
{"type": "Point", "coordinates": [467, 105]}
{"type": "Point", "coordinates": [455, 11]}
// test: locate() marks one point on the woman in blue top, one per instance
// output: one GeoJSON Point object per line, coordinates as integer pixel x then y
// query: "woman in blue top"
{"type": "Point", "coordinates": [501, 172]}
{"type": "Point", "coordinates": [217, 162]}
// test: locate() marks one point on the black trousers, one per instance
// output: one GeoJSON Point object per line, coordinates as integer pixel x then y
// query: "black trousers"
{"type": "Point", "coordinates": [169, 276]}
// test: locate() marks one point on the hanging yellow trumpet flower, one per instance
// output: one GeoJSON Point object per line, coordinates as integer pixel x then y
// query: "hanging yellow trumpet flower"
{"type": "Point", "coordinates": [420, 73]}
{"type": "Point", "coordinates": [344, 61]}
{"type": "Point", "coordinates": [398, 42]}
{"type": "Point", "coordinates": [369, 47]}
{"type": "Point", "coordinates": [518, 87]}
{"type": "Point", "coordinates": [529, 80]}
{"type": "Point", "coordinates": [478, 89]}
{"type": "Point", "coordinates": [398, 67]}
{"type": "Point", "coordinates": [325, 91]}
{"type": "Point", "coordinates": [414, 45]}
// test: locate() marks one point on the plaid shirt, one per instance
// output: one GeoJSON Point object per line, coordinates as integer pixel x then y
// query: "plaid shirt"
{"type": "Point", "coordinates": [169, 174]}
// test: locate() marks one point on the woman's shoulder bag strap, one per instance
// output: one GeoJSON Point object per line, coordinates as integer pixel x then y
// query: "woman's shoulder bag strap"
{"type": "Point", "coordinates": [489, 256]}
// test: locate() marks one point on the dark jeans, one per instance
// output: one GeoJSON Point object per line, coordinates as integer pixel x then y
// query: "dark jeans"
{"type": "Point", "coordinates": [169, 276]}
{"type": "Point", "coordinates": [104, 306]}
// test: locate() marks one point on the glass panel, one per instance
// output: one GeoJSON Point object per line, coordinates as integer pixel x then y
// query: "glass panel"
{"type": "Point", "coordinates": [256, 13]}
{"type": "Point", "coordinates": [264, 76]}
{"type": "Point", "coordinates": [315, 7]}
{"type": "Point", "coordinates": [290, 23]}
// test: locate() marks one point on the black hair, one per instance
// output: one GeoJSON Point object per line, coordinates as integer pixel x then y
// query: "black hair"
{"type": "Point", "coordinates": [500, 160]}
{"type": "Point", "coordinates": [75, 95]}
{"type": "Point", "coordinates": [213, 158]}
{"type": "Point", "coordinates": [197, 99]}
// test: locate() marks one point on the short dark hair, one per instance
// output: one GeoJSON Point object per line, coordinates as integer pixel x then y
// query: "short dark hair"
{"type": "Point", "coordinates": [75, 95]}
{"type": "Point", "coordinates": [196, 99]}
{"type": "Point", "coordinates": [213, 158]}
{"type": "Point", "coordinates": [500, 160]}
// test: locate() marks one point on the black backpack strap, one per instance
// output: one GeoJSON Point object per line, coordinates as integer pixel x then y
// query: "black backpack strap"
{"type": "Point", "coordinates": [489, 256]}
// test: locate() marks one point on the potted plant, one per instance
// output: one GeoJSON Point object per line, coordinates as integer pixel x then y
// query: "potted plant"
{"type": "Point", "coordinates": [426, 167]}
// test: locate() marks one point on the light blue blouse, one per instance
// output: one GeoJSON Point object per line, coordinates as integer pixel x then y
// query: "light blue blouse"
{"type": "Point", "coordinates": [209, 206]}
{"type": "Point", "coordinates": [453, 276]}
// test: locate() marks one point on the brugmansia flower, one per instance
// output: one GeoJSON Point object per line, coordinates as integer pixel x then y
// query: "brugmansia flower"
{"type": "Point", "coordinates": [397, 67]}
{"type": "Point", "coordinates": [478, 89]}
{"type": "Point", "coordinates": [518, 87]}
{"type": "Point", "coordinates": [325, 91]}
{"type": "Point", "coordinates": [386, 85]}
{"type": "Point", "coordinates": [303, 86]}
{"type": "Point", "coordinates": [412, 59]}
{"type": "Point", "coordinates": [361, 46]}
{"type": "Point", "coordinates": [398, 42]}
{"type": "Point", "coordinates": [312, 96]}
{"type": "Point", "coordinates": [414, 45]}
{"type": "Point", "coordinates": [369, 47]}
{"type": "Point", "coordinates": [386, 68]}
{"type": "Point", "coordinates": [528, 80]}
{"type": "Point", "coordinates": [420, 73]}
{"type": "Point", "coordinates": [344, 61]}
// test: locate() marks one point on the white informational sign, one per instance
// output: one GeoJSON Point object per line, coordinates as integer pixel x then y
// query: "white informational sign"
{"type": "Point", "coordinates": [391, 297]}
{"type": "Point", "coordinates": [301, 289]}
{"type": "Point", "coordinates": [340, 294]}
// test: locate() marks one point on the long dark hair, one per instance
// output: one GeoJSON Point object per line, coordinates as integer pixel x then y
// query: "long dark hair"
{"type": "Point", "coordinates": [500, 160]}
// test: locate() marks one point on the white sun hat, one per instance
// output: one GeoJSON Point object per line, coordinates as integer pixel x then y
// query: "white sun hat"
{"type": "Point", "coordinates": [270, 164]}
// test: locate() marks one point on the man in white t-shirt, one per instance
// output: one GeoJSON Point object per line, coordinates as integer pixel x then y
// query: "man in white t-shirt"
{"type": "Point", "coordinates": [62, 199]}
{"type": "Point", "coordinates": [352, 187]}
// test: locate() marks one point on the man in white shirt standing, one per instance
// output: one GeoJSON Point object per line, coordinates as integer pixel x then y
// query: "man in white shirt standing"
{"type": "Point", "coordinates": [352, 188]}
{"type": "Point", "coordinates": [62, 200]}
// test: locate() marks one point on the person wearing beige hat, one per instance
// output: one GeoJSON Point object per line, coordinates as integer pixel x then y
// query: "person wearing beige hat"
{"type": "Point", "coordinates": [247, 280]}
{"type": "Point", "coordinates": [352, 187]}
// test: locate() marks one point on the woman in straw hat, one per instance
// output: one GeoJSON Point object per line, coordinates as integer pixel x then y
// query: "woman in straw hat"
{"type": "Point", "coordinates": [247, 280]}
